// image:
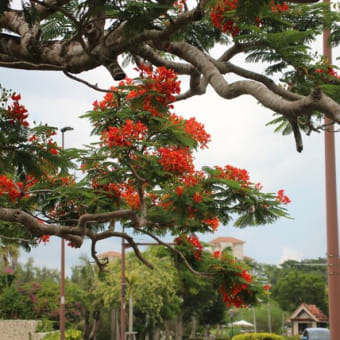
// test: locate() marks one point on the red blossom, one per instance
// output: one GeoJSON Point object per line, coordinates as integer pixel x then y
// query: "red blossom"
{"type": "Point", "coordinates": [17, 112]}
{"type": "Point", "coordinates": [176, 160]}
{"type": "Point", "coordinates": [44, 238]}
{"type": "Point", "coordinates": [212, 222]}
{"type": "Point", "coordinates": [127, 134]}
{"type": "Point", "coordinates": [197, 197]}
{"type": "Point", "coordinates": [197, 131]}
{"type": "Point", "coordinates": [216, 254]}
{"type": "Point", "coordinates": [282, 197]}
{"type": "Point", "coordinates": [179, 191]}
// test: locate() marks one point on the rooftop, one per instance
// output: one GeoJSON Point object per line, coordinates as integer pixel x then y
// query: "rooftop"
{"type": "Point", "coordinates": [312, 310]}
{"type": "Point", "coordinates": [226, 240]}
{"type": "Point", "coordinates": [110, 254]}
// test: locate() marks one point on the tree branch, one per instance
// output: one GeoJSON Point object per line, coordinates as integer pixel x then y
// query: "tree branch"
{"type": "Point", "coordinates": [177, 252]}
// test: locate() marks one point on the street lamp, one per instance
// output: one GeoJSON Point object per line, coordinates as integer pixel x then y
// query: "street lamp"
{"type": "Point", "coordinates": [62, 264]}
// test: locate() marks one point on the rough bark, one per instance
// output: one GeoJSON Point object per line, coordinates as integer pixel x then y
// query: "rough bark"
{"type": "Point", "coordinates": [92, 46]}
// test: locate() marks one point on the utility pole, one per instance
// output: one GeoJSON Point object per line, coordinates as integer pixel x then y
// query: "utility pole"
{"type": "Point", "coordinates": [331, 214]}
{"type": "Point", "coordinates": [122, 301]}
{"type": "Point", "coordinates": [62, 263]}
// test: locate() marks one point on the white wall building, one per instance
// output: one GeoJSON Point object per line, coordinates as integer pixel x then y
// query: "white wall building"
{"type": "Point", "coordinates": [221, 243]}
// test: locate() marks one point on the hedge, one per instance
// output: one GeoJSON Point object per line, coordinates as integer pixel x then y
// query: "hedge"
{"type": "Point", "coordinates": [70, 334]}
{"type": "Point", "coordinates": [258, 336]}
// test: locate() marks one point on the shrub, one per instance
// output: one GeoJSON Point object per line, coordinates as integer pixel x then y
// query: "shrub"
{"type": "Point", "coordinates": [258, 336]}
{"type": "Point", "coordinates": [70, 334]}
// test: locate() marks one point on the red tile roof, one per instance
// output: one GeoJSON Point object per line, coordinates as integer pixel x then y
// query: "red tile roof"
{"type": "Point", "coordinates": [110, 254]}
{"type": "Point", "coordinates": [226, 239]}
{"type": "Point", "coordinates": [316, 312]}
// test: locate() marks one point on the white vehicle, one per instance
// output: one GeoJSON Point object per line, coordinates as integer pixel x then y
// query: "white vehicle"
{"type": "Point", "coordinates": [315, 334]}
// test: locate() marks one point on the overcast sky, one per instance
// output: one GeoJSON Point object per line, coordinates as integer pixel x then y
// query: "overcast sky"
{"type": "Point", "coordinates": [239, 138]}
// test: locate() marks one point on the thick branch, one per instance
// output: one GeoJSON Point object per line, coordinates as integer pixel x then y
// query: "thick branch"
{"type": "Point", "coordinates": [317, 101]}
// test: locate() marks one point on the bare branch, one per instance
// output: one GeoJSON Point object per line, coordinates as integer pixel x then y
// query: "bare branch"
{"type": "Point", "coordinates": [92, 86]}
{"type": "Point", "coordinates": [17, 239]}
{"type": "Point", "coordinates": [177, 252]}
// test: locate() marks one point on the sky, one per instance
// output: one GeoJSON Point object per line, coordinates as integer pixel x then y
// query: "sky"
{"type": "Point", "coordinates": [239, 138]}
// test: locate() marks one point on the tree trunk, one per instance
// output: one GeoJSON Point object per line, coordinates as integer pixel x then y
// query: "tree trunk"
{"type": "Point", "coordinates": [96, 320]}
{"type": "Point", "coordinates": [193, 328]}
{"type": "Point", "coordinates": [114, 325]}
{"type": "Point", "coordinates": [218, 331]}
{"type": "Point", "coordinates": [157, 334]}
{"type": "Point", "coordinates": [130, 314]}
{"type": "Point", "coordinates": [179, 327]}
{"type": "Point", "coordinates": [207, 332]}
{"type": "Point", "coordinates": [117, 326]}
{"type": "Point", "coordinates": [86, 325]}
{"type": "Point", "coordinates": [167, 330]}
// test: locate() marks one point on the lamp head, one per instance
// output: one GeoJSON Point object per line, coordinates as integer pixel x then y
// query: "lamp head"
{"type": "Point", "coordinates": [66, 128]}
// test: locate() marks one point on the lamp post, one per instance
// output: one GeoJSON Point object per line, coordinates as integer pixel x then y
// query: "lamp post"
{"type": "Point", "coordinates": [331, 214]}
{"type": "Point", "coordinates": [62, 263]}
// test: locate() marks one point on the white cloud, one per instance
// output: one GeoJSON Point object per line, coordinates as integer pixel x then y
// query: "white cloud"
{"type": "Point", "coordinates": [290, 254]}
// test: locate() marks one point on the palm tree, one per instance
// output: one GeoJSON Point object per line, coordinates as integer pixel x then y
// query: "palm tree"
{"type": "Point", "coordinates": [9, 253]}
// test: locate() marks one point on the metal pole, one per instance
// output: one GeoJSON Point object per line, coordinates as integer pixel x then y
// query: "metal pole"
{"type": "Point", "coordinates": [122, 303]}
{"type": "Point", "coordinates": [62, 265]}
{"type": "Point", "coordinates": [254, 319]}
{"type": "Point", "coordinates": [269, 315]}
{"type": "Point", "coordinates": [332, 216]}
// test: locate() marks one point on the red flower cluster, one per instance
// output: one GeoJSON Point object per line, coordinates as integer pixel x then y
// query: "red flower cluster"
{"type": "Point", "coordinates": [216, 254]}
{"type": "Point", "coordinates": [9, 187]}
{"type": "Point", "coordinates": [330, 72]}
{"type": "Point", "coordinates": [282, 197]}
{"type": "Point", "coordinates": [44, 238]}
{"type": "Point", "coordinates": [212, 222]}
{"type": "Point", "coordinates": [197, 244]}
{"type": "Point", "coordinates": [197, 131]}
{"type": "Point", "coordinates": [193, 178]}
{"type": "Point", "coordinates": [109, 101]}
{"type": "Point", "coordinates": [126, 135]}
{"type": "Point", "coordinates": [217, 17]}
{"type": "Point", "coordinates": [176, 160]}
{"type": "Point", "coordinates": [278, 7]}
{"type": "Point", "coordinates": [233, 173]}
{"type": "Point", "coordinates": [13, 189]}
{"type": "Point", "coordinates": [120, 191]}
{"type": "Point", "coordinates": [197, 197]}
{"type": "Point", "coordinates": [17, 112]}
{"type": "Point", "coordinates": [52, 147]}
{"type": "Point", "coordinates": [194, 242]}
{"type": "Point", "coordinates": [233, 297]}
{"type": "Point", "coordinates": [163, 81]}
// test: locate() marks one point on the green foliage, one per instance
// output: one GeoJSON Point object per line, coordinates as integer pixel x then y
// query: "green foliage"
{"type": "Point", "coordinates": [15, 305]}
{"type": "Point", "coordinates": [45, 325]}
{"type": "Point", "coordinates": [297, 287]}
{"type": "Point", "coordinates": [258, 336]}
{"type": "Point", "coordinates": [70, 334]}
{"type": "Point", "coordinates": [154, 292]}
{"type": "Point", "coordinates": [261, 313]}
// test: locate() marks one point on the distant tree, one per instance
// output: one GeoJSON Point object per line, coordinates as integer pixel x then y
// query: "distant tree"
{"type": "Point", "coordinates": [277, 315]}
{"type": "Point", "coordinates": [297, 287]}
{"type": "Point", "coordinates": [154, 292]}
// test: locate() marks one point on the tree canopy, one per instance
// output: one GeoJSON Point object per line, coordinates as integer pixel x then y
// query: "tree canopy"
{"type": "Point", "coordinates": [73, 36]}
{"type": "Point", "coordinates": [140, 173]}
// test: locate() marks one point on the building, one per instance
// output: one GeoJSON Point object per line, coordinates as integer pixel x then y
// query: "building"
{"type": "Point", "coordinates": [110, 255]}
{"type": "Point", "coordinates": [307, 316]}
{"type": "Point", "coordinates": [235, 245]}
